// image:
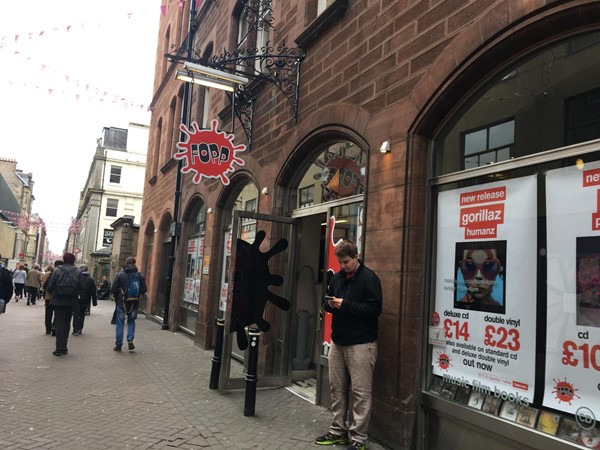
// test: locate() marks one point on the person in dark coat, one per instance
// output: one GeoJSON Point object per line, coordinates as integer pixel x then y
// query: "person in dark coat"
{"type": "Point", "coordinates": [104, 289]}
{"type": "Point", "coordinates": [49, 309]}
{"type": "Point", "coordinates": [64, 304]}
{"type": "Point", "coordinates": [6, 286]}
{"type": "Point", "coordinates": [119, 289]}
{"type": "Point", "coordinates": [86, 297]}
{"type": "Point", "coordinates": [354, 298]}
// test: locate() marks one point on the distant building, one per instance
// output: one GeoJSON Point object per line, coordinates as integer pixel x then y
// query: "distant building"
{"type": "Point", "coordinates": [22, 235]}
{"type": "Point", "coordinates": [113, 189]}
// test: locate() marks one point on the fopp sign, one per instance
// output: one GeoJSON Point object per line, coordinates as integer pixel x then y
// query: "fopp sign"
{"type": "Point", "coordinates": [208, 153]}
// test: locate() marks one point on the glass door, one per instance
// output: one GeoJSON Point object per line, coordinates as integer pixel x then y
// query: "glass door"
{"type": "Point", "coordinates": [260, 285]}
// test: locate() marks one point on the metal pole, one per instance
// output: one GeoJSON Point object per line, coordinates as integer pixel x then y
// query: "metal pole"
{"type": "Point", "coordinates": [251, 376]}
{"type": "Point", "coordinates": [176, 226]}
{"type": "Point", "coordinates": [216, 359]}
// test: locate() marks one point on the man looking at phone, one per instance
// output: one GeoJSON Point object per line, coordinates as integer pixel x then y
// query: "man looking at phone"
{"type": "Point", "coordinates": [354, 298]}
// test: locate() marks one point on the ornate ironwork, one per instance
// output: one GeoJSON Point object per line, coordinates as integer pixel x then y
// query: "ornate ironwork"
{"type": "Point", "coordinates": [243, 102]}
{"type": "Point", "coordinates": [259, 14]}
{"type": "Point", "coordinates": [277, 65]}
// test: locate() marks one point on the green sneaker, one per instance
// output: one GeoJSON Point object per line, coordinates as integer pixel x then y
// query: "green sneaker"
{"type": "Point", "coordinates": [331, 439]}
{"type": "Point", "coordinates": [355, 445]}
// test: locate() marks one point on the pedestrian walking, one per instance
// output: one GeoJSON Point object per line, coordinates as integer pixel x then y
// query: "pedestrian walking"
{"type": "Point", "coordinates": [49, 308]}
{"type": "Point", "coordinates": [104, 289]}
{"type": "Point", "coordinates": [128, 286]}
{"type": "Point", "coordinates": [33, 281]}
{"type": "Point", "coordinates": [354, 297]}
{"type": "Point", "coordinates": [86, 297]}
{"type": "Point", "coordinates": [65, 285]}
{"type": "Point", "coordinates": [19, 276]}
{"type": "Point", "coordinates": [6, 287]}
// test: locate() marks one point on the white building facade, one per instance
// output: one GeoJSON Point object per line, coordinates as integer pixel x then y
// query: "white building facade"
{"type": "Point", "coordinates": [113, 189]}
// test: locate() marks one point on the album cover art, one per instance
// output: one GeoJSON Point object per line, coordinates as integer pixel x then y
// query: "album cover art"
{"type": "Point", "coordinates": [568, 429]}
{"type": "Point", "coordinates": [462, 394]}
{"type": "Point", "coordinates": [527, 416]}
{"type": "Point", "coordinates": [492, 405]}
{"type": "Point", "coordinates": [548, 422]}
{"type": "Point", "coordinates": [509, 411]}
{"type": "Point", "coordinates": [476, 399]}
{"type": "Point", "coordinates": [480, 274]}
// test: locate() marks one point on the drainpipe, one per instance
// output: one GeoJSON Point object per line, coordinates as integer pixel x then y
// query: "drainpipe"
{"type": "Point", "coordinates": [176, 226]}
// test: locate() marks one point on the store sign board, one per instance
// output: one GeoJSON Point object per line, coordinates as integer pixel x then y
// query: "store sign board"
{"type": "Point", "coordinates": [573, 341]}
{"type": "Point", "coordinates": [208, 153]}
{"type": "Point", "coordinates": [485, 298]}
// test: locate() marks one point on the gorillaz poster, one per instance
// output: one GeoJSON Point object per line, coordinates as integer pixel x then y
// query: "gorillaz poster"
{"type": "Point", "coordinates": [485, 299]}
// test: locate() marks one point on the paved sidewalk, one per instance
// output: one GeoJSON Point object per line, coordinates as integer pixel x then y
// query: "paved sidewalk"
{"type": "Point", "coordinates": [154, 397]}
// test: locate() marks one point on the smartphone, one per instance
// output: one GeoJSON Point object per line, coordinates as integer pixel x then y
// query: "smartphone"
{"type": "Point", "coordinates": [329, 297]}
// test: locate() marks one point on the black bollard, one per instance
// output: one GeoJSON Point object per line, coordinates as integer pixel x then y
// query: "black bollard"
{"type": "Point", "coordinates": [216, 359]}
{"type": "Point", "coordinates": [251, 375]}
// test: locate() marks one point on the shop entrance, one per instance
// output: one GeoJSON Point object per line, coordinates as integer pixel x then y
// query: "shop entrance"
{"type": "Point", "coordinates": [320, 228]}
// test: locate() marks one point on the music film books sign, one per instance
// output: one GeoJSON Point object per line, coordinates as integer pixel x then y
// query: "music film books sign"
{"type": "Point", "coordinates": [485, 296]}
{"type": "Point", "coordinates": [573, 340]}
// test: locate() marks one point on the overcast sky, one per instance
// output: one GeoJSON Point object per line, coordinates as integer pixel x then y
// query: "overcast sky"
{"type": "Point", "coordinates": [69, 69]}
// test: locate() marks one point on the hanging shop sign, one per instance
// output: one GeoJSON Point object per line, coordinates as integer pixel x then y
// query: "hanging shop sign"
{"type": "Point", "coordinates": [573, 341]}
{"type": "Point", "coordinates": [485, 298]}
{"type": "Point", "coordinates": [208, 153]}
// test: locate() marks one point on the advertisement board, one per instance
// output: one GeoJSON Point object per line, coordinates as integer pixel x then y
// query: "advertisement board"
{"type": "Point", "coordinates": [572, 372]}
{"type": "Point", "coordinates": [485, 294]}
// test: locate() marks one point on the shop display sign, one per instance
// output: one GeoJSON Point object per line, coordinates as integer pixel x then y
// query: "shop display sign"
{"type": "Point", "coordinates": [573, 254]}
{"type": "Point", "coordinates": [195, 250]}
{"type": "Point", "coordinates": [485, 298]}
{"type": "Point", "coordinates": [208, 153]}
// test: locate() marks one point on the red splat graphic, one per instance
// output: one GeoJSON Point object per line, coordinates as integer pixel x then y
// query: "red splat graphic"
{"type": "Point", "coordinates": [208, 153]}
{"type": "Point", "coordinates": [444, 362]}
{"type": "Point", "coordinates": [565, 391]}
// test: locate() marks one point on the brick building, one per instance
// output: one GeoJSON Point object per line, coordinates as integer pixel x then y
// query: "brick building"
{"type": "Point", "coordinates": [478, 213]}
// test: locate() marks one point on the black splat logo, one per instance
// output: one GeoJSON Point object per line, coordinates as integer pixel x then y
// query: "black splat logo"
{"type": "Point", "coordinates": [251, 281]}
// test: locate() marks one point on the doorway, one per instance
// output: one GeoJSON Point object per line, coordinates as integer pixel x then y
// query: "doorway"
{"type": "Point", "coordinates": [319, 231]}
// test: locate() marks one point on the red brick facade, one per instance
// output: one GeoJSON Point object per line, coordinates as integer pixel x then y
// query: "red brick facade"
{"type": "Point", "coordinates": [385, 70]}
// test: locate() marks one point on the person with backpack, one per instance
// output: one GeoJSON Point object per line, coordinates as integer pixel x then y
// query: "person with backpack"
{"type": "Point", "coordinates": [129, 285]}
{"type": "Point", "coordinates": [48, 308]}
{"type": "Point", "coordinates": [64, 286]}
{"type": "Point", "coordinates": [86, 296]}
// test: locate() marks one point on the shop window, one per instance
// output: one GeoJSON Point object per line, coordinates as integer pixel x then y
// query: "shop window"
{"type": "Point", "coordinates": [115, 174]}
{"type": "Point", "coordinates": [337, 172]}
{"type": "Point", "coordinates": [509, 116]}
{"type": "Point", "coordinates": [517, 253]}
{"type": "Point", "coordinates": [112, 207]}
{"type": "Point", "coordinates": [488, 145]}
{"type": "Point", "coordinates": [193, 268]}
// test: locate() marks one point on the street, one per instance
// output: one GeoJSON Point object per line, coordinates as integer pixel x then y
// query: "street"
{"type": "Point", "coordinates": [154, 397]}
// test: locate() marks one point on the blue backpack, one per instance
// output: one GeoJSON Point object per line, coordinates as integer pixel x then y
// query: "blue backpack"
{"type": "Point", "coordinates": [133, 288]}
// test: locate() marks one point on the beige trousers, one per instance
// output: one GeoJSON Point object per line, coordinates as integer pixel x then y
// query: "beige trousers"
{"type": "Point", "coordinates": [351, 384]}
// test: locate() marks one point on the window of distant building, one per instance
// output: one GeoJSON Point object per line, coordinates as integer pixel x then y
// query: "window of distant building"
{"type": "Point", "coordinates": [112, 206]}
{"type": "Point", "coordinates": [115, 174]}
{"type": "Point", "coordinates": [488, 145]}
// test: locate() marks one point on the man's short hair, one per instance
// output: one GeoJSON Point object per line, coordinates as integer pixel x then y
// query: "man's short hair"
{"type": "Point", "coordinates": [69, 258]}
{"type": "Point", "coordinates": [346, 248]}
{"type": "Point", "coordinates": [130, 260]}
{"type": "Point", "coordinates": [83, 268]}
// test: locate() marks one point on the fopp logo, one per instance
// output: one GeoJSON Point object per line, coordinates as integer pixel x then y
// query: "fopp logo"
{"type": "Point", "coordinates": [208, 153]}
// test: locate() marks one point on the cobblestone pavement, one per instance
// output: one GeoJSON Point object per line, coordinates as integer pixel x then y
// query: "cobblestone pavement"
{"type": "Point", "coordinates": [154, 397]}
